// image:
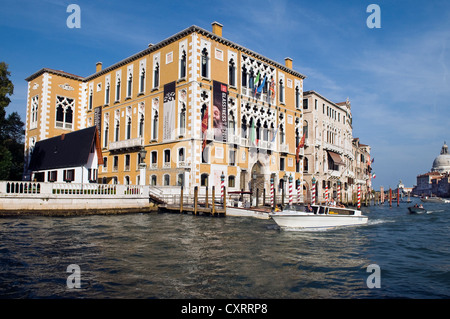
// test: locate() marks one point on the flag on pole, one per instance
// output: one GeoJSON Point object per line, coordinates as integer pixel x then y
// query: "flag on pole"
{"type": "Point", "coordinates": [299, 146]}
{"type": "Point", "coordinates": [272, 88]}
{"type": "Point", "coordinates": [260, 88]}
{"type": "Point", "coordinates": [255, 83]}
{"type": "Point", "coordinates": [275, 135]}
{"type": "Point", "coordinates": [204, 128]}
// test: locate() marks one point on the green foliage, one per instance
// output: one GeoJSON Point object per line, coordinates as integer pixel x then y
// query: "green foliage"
{"type": "Point", "coordinates": [11, 132]}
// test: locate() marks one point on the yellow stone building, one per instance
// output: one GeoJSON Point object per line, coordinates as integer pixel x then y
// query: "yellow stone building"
{"type": "Point", "coordinates": [154, 103]}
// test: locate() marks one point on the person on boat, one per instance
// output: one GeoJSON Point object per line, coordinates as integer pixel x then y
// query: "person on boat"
{"type": "Point", "coordinates": [333, 203]}
{"type": "Point", "coordinates": [309, 209]}
{"type": "Point", "coordinates": [340, 205]}
{"type": "Point", "coordinates": [420, 206]}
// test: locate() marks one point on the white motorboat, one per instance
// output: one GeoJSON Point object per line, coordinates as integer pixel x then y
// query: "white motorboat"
{"type": "Point", "coordinates": [239, 207]}
{"type": "Point", "coordinates": [434, 199]}
{"type": "Point", "coordinates": [295, 217]}
{"type": "Point", "coordinates": [248, 212]}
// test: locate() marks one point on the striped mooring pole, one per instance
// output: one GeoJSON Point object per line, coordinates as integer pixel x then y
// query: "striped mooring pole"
{"type": "Point", "coordinates": [271, 192]}
{"type": "Point", "coordinates": [290, 190]}
{"type": "Point", "coordinates": [359, 196]}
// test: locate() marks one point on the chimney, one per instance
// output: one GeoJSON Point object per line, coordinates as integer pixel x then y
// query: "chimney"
{"type": "Point", "coordinates": [217, 28]}
{"type": "Point", "coordinates": [98, 66]}
{"type": "Point", "coordinates": [288, 63]}
{"type": "Point", "coordinates": [63, 136]}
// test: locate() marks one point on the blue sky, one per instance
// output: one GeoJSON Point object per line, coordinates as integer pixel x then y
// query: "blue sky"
{"type": "Point", "coordinates": [396, 77]}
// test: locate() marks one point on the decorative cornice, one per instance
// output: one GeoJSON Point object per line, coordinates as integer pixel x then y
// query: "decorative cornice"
{"type": "Point", "coordinates": [152, 48]}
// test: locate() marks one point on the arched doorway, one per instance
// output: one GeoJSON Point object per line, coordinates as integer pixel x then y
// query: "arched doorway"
{"type": "Point", "coordinates": [306, 193]}
{"type": "Point", "coordinates": [257, 181]}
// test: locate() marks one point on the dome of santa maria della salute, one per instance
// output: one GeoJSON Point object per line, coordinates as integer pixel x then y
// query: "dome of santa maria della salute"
{"type": "Point", "coordinates": [441, 163]}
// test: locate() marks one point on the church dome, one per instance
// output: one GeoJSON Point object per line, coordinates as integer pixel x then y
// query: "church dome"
{"type": "Point", "coordinates": [441, 163]}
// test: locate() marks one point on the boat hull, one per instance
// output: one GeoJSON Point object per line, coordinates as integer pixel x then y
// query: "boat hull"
{"type": "Point", "coordinates": [245, 212]}
{"type": "Point", "coordinates": [296, 220]}
{"type": "Point", "coordinates": [416, 210]}
{"type": "Point", "coordinates": [434, 200]}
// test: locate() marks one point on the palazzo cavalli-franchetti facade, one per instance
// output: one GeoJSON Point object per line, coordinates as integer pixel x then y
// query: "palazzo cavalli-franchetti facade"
{"type": "Point", "coordinates": [201, 107]}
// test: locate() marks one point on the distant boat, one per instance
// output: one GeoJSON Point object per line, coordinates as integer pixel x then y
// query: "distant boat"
{"type": "Point", "coordinates": [416, 210]}
{"type": "Point", "coordinates": [293, 217]}
{"type": "Point", "coordinates": [433, 199]}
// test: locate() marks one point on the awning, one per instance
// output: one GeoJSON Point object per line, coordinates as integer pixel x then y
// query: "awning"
{"type": "Point", "coordinates": [336, 158]}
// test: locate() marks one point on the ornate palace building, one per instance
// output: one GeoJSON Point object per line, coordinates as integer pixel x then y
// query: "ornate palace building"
{"type": "Point", "coordinates": [190, 110]}
{"type": "Point", "coordinates": [333, 159]}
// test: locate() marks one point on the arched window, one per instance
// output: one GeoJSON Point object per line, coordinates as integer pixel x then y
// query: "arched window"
{"type": "Point", "coordinates": [305, 165]}
{"type": "Point", "coordinates": [232, 73]}
{"type": "Point", "coordinates": [117, 130]}
{"type": "Point", "coordinates": [204, 180]}
{"type": "Point", "coordinates": [166, 180]}
{"type": "Point", "coordinates": [281, 91]}
{"type": "Point", "coordinates": [183, 65]}
{"type": "Point", "coordinates": [156, 76]}
{"type": "Point", "coordinates": [128, 128]}
{"type": "Point", "coordinates": [204, 66]}
{"type": "Point", "coordinates": [244, 76]}
{"type": "Point", "coordinates": [142, 81]}
{"type": "Point", "coordinates": [141, 126]}
{"type": "Point", "coordinates": [183, 120]}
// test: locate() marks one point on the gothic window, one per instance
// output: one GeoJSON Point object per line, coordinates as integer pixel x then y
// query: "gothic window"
{"type": "Point", "coordinates": [183, 65]}
{"type": "Point", "coordinates": [118, 90]}
{"type": "Point", "coordinates": [155, 125]}
{"type": "Point", "coordinates": [141, 126]}
{"type": "Point", "coordinates": [105, 135]}
{"type": "Point", "coordinates": [297, 97]}
{"type": "Point", "coordinates": [142, 81]}
{"type": "Point", "coordinates": [129, 84]}
{"type": "Point", "coordinates": [183, 120]}
{"type": "Point", "coordinates": [251, 81]}
{"type": "Point", "coordinates": [244, 76]}
{"type": "Point", "coordinates": [156, 76]}
{"type": "Point", "coordinates": [107, 94]}
{"type": "Point", "coordinates": [64, 112]}
{"type": "Point", "coordinates": [281, 91]}
{"type": "Point", "coordinates": [204, 66]}
{"type": "Point", "coordinates": [34, 111]}
{"type": "Point", "coordinates": [181, 156]}
{"type": "Point", "coordinates": [282, 134]}
{"type": "Point", "coordinates": [90, 100]}
{"type": "Point", "coordinates": [305, 129]}
{"type": "Point", "coordinates": [117, 130]}
{"type": "Point", "coordinates": [232, 73]}
{"type": "Point", "coordinates": [128, 127]}
{"type": "Point", "coordinates": [244, 128]}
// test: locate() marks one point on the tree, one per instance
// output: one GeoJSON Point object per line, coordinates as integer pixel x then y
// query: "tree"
{"type": "Point", "coordinates": [11, 132]}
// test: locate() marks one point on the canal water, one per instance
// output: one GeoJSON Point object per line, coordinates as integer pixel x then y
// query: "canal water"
{"type": "Point", "coordinates": [185, 256]}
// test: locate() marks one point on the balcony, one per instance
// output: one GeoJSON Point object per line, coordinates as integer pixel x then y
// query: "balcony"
{"type": "Point", "coordinates": [283, 148]}
{"type": "Point", "coordinates": [126, 144]}
{"type": "Point", "coordinates": [234, 139]}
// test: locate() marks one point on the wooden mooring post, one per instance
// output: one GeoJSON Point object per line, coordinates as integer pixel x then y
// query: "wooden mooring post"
{"type": "Point", "coordinates": [213, 210]}
{"type": "Point", "coordinates": [181, 200]}
{"type": "Point", "coordinates": [195, 200]}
